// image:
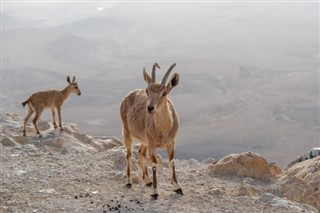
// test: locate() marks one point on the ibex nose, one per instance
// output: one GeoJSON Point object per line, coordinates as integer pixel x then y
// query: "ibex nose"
{"type": "Point", "coordinates": [150, 109]}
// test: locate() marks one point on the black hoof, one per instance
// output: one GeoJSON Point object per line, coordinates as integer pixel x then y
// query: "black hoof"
{"type": "Point", "coordinates": [40, 136]}
{"type": "Point", "coordinates": [179, 191]}
{"type": "Point", "coordinates": [155, 196]}
{"type": "Point", "coordinates": [129, 185]}
{"type": "Point", "coordinates": [149, 184]}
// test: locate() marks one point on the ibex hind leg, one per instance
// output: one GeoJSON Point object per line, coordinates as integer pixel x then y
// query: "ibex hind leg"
{"type": "Point", "coordinates": [128, 143]}
{"type": "Point", "coordinates": [174, 182]}
{"type": "Point", "coordinates": [35, 122]}
{"type": "Point", "coordinates": [30, 112]}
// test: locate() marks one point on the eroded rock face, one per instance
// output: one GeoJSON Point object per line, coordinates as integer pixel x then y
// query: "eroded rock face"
{"type": "Point", "coordinates": [246, 164]}
{"type": "Point", "coordinates": [301, 182]}
{"type": "Point", "coordinates": [69, 139]}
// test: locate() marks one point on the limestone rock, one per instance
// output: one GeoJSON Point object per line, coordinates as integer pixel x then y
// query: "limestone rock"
{"type": "Point", "coordinates": [301, 182]}
{"type": "Point", "coordinates": [275, 168]}
{"type": "Point", "coordinates": [246, 164]}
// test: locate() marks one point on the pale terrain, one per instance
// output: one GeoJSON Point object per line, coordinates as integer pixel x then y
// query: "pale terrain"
{"type": "Point", "coordinates": [73, 172]}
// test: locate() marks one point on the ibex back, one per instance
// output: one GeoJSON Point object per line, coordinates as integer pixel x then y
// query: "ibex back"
{"type": "Point", "coordinates": [52, 99]}
{"type": "Point", "coordinates": [149, 116]}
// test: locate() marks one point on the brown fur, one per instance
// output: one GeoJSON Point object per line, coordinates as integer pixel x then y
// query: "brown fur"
{"type": "Point", "coordinates": [52, 99]}
{"type": "Point", "coordinates": [149, 116]}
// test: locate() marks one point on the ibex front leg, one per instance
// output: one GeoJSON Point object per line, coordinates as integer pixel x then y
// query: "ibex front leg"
{"type": "Point", "coordinates": [35, 122]}
{"type": "Point", "coordinates": [30, 112]}
{"type": "Point", "coordinates": [174, 182]}
{"type": "Point", "coordinates": [59, 115]}
{"type": "Point", "coordinates": [142, 156]}
{"type": "Point", "coordinates": [152, 152]}
{"type": "Point", "coordinates": [54, 118]}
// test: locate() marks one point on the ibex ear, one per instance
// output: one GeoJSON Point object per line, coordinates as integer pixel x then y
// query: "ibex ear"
{"type": "Point", "coordinates": [173, 82]}
{"type": "Point", "coordinates": [146, 77]}
{"type": "Point", "coordinates": [68, 79]}
{"type": "Point", "coordinates": [73, 79]}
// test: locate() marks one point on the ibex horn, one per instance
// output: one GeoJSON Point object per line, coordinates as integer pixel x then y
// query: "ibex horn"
{"type": "Point", "coordinates": [167, 74]}
{"type": "Point", "coordinates": [154, 72]}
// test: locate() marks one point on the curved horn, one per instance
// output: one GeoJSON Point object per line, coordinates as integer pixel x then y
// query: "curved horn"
{"type": "Point", "coordinates": [167, 74]}
{"type": "Point", "coordinates": [154, 72]}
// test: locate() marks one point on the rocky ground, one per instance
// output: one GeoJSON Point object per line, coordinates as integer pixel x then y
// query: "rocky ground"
{"type": "Point", "coordinates": [72, 172]}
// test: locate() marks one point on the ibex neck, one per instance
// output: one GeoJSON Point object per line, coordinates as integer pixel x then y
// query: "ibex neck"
{"type": "Point", "coordinates": [163, 119]}
{"type": "Point", "coordinates": [66, 92]}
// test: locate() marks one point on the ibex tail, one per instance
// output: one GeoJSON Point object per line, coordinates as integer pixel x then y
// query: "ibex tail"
{"type": "Point", "coordinates": [24, 103]}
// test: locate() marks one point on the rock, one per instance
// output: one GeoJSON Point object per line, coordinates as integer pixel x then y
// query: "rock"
{"type": "Point", "coordinates": [8, 141]}
{"type": "Point", "coordinates": [194, 162]}
{"type": "Point", "coordinates": [21, 139]}
{"type": "Point", "coordinates": [267, 197]}
{"type": "Point", "coordinates": [209, 161]}
{"type": "Point", "coordinates": [43, 125]}
{"type": "Point", "coordinates": [301, 182]}
{"type": "Point", "coordinates": [247, 190]}
{"type": "Point", "coordinates": [275, 168]}
{"type": "Point", "coordinates": [286, 204]}
{"type": "Point", "coordinates": [20, 172]}
{"type": "Point", "coordinates": [314, 152]}
{"type": "Point", "coordinates": [217, 192]}
{"type": "Point", "coordinates": [246, 164]}
{"type": "Point", "coordinates": [47, 191]}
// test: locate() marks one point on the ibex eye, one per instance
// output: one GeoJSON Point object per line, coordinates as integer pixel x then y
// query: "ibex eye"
{"type": "Point", "coordinates": [164, 94]}
{"type": "Point", "coordinates": [76, 87]}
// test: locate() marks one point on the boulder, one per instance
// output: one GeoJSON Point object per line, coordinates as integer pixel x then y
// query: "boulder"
{"type": "Point", "coordinates": [246, 164]}
{"type": "Point", "coordinates": [301, 182]}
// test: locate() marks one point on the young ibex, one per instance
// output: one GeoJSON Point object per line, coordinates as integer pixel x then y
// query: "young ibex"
{"type": "Point", "coordinates": [39, 101]}
{"type": "Point", "coordinates": [149, 116]}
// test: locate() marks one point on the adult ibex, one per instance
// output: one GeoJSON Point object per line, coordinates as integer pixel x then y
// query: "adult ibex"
{"type": "Point", "coordinates": [149, 116]}
{"type": "Point", "coordinates": [39, 101]}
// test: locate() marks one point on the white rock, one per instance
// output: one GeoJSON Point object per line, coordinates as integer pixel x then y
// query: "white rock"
{"type": "Point", "coordinates": [47, 191]}
{"type": "Point", "coordinates": [193, 162]}
{"type": "Point", "coordinates": [20, 172]}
